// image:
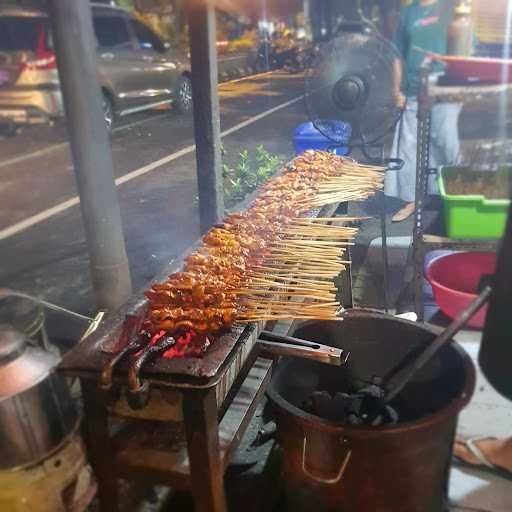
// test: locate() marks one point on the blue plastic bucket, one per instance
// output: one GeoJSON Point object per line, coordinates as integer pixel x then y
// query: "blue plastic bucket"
{"type": "Point", "coordinates": [306, 137]}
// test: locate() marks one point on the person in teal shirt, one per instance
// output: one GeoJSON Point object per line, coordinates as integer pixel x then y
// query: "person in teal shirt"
{"type": "Point", "coordinates": [423, 28]}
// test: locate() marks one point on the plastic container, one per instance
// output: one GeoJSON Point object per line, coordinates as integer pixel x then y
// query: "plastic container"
{"type": "Point", "coordinates": [472, 216]}
{"type": "Point", "coordinates": [478, 69]}
{"type": "Point", "coordinates": [428, 294]}
{"type": "Point", "coordinates": [455, 279]}
{"type": "Point", "coordinates": [306, 137]}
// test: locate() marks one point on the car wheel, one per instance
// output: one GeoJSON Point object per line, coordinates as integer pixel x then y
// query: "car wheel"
{"type": "Point", "coordinates": [184, 95]}
{"type": "Point", "coordinates": [108, 112]}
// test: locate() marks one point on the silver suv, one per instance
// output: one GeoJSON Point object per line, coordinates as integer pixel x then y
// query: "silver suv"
{"type": "Point", "coordinates": [136, 69]}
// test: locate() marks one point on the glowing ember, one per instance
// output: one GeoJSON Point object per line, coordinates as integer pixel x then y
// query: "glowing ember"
{"type": "Point", "coordinates": [190, 344]}
{"type": "Point", "coordinates": [153, 341]}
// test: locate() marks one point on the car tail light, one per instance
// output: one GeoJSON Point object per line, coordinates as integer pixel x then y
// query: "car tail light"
{"type": "Point", "coordinates": [46, 61]}
{"type": "Point", "coordinates": [44, 57]}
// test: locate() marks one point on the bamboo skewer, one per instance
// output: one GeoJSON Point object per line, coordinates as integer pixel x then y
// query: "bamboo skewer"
{"type": "Point", "coordinates": [315, 261]}
{"type": "Point", "coordinates": [304, 283]}
{"type": "Point", "coordinates": [312, 250]}
{"type": "Point", "coordinates": [312, 230]}
{"type": "Point", "coordinates": [274, 310]}
{"type": "Point", "coordinates": [267, 309]}
{"type": "Point", "coordinates": [289, 293]}
{"type": "Point", "coordinates": [320, 220]}
{"type": "Point", "coordinates": [285, 305]}
{"type": "Point", "coordinates": [315, 243]}
{"type": "Point", "coordinates": [316, 282]}
{"type": "Point", "coordinates": [292, 276]}
{"type": "Point", "coordinates": [330, 257]}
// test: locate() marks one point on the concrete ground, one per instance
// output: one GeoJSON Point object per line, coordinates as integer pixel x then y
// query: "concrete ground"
{"type": "Point", "coordinates": [488, 414]}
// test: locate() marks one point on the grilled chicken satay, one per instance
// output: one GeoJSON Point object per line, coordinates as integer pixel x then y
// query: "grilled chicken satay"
{"type": "Point", "coordinates": [202, 297]}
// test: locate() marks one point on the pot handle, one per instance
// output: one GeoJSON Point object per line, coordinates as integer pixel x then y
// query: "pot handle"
{"type": "Point", "coordinates": [319, 479]}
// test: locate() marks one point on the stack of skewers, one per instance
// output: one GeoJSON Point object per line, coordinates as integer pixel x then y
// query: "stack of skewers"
{"type": "Point", "coordinates": [271, 262]}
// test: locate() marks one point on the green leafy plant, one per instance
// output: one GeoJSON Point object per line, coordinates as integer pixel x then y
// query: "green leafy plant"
{"type": "Point", "coordinates": [226, 171]}
{"type": "Point", "coordinates": [237, 188]}
{"type": "Point", "coordinates": [245, 172]}
{"type": "Point", "coordinates": [249, 172]}
{"type": "Point", "coordinates": [266, 163]}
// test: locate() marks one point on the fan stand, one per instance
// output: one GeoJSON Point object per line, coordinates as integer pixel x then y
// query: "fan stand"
{"type": "Point", "coordinates": [341, 94]}
{"type": "Point", "coordinates": [390, 164]}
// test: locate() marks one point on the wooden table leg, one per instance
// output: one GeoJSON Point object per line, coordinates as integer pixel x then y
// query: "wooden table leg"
{"type": "Point", "coordinates": [98, 447]}
{"type": "Point", "coordinates": [202, 429]}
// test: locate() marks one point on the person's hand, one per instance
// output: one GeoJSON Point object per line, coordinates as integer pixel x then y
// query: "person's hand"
{"type": "Point", "coordinates": [400, 100]}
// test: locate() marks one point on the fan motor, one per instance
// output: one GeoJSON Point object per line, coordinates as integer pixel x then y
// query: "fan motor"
{"type": "Point", "coordinates": [350, 92]}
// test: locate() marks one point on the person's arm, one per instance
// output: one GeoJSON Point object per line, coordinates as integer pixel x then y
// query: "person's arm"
{"type": "Point", "coordinates": [396, 84]}
{"type": "Point", "coordinates": [400, 40]}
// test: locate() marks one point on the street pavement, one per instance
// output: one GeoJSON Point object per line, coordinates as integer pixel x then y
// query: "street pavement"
{"type": "Point", "coordinates": [42, 241]}
{"type": "Point", "coordinates": [42, 139]}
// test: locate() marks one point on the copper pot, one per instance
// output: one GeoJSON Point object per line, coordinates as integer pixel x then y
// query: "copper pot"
{"type": "Point", "coordinates": [36, 410]}
{"type": "Point", "coordinates": [331, 466]}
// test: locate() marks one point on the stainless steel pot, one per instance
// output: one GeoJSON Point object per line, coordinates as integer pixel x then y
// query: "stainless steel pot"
{"type": "Point", "coordinates": [36, 410]}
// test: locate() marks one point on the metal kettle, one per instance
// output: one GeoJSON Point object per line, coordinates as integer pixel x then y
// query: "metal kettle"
{"type": "Point", "coordinates": [37, 413]}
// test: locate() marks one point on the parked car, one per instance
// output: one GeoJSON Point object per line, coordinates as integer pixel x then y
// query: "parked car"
{"type": "Point", "coordinates": [136, 69]}
{"type": "Point", "coordinates": [290, 54]}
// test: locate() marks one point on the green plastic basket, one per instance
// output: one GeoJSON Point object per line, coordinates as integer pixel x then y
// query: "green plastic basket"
{"type": "Point", "coordinates": [474, 216]}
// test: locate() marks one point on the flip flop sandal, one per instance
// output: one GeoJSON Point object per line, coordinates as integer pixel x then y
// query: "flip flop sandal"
{"type": "Point", "coordinates": [402, 215]}
{"type": "Point", "coordinates": [485, 465]}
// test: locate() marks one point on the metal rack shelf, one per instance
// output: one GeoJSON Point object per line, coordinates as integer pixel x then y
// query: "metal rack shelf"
{"type": "Point", "coordinates": [433, 94]}
{"type": "Point", "coordinates": [430, 95]}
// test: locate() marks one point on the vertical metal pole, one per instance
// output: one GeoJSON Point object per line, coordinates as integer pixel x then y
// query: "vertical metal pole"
{"type": "Point", "coordinates": [75, 47]}
{"type": "Point", "coordinates": [384, 235]}
{"type": "Point", "coordinates": [203, 57]}
{"type": "Point", "coordinates": [328, 19]}
{"type": "Point", "coordinates": [422, 166]}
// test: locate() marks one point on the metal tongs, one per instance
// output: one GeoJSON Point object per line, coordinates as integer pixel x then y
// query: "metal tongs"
{"type": "Point", "coordinates": [373, 402]}
{"type": "Point", "coordinates": [288, 346]}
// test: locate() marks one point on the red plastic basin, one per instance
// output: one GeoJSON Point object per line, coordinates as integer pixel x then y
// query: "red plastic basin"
{"type": "Point", "coordinates": [477, 69]}
{"type": "Point", "coordinates": [455, 279]}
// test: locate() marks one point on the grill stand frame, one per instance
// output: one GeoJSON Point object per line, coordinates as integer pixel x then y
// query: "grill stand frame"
{"type": "Point", "coordinates": [213, 433]}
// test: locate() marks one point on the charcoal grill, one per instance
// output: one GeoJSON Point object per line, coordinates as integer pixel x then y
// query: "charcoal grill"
{"type": "Point", "coordinates": [209, 401]}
